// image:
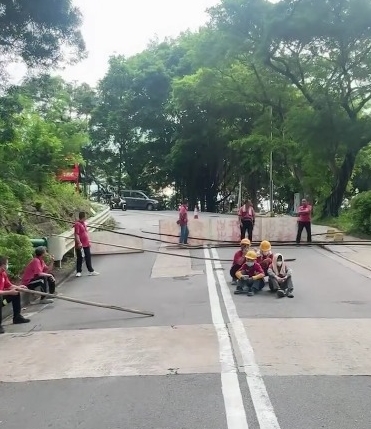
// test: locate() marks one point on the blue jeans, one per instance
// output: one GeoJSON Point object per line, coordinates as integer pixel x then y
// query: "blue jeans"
{"type": "Point", "coordinates": [184, 232]}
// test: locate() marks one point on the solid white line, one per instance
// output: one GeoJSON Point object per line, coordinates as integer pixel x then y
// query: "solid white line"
{"type": "Point", "coordinates": [263, 407]}
{"type": "Point", "coordinates": [233, 403]}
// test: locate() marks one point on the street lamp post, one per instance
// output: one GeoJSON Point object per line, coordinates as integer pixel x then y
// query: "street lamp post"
{"type": "Point", "coordinates": [271, 167]}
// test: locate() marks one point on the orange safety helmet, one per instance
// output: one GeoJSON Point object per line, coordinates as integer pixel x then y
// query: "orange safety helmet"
{"type": "Point", "coordinates": [265, 246]}
{"type": "Point", "coordinates": [251, 255]}
{"type": "Point", "coordinates": [245, 242]}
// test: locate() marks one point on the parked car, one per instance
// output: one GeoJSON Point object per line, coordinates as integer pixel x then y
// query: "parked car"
{"type": "Point", "coordinates": [117, 203]}
{"type": "Point", "coordinates": [138, 200]}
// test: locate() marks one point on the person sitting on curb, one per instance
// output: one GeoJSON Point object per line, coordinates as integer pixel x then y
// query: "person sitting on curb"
{"type": "Point", "coordinates": [38, 275]}
{"type": "Point", "coordinates": [239, 259]}
{"type": "Point", "coordinates": [10, 293]}
{"type": "Point", "coordinates": [265, 256]}
{"type": "Point", "coordinates": [250, 276]}
{"type": "Point", "coordinates": [280, 277]}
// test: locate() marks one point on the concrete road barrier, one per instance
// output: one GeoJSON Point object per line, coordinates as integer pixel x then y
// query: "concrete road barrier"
{"type": "Point", "coordinates": [228, 229]}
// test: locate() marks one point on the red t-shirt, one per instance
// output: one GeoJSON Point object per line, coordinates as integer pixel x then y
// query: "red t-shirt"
{"type": "Point", "coordinates": [238, 258]}
{"type": "Point", "coordinates": [82, 231]}
{"type": "Point", "coordinates": [246, 213]}
{"type": "Point", "coordinates": [4, 281]}
{"type": "Point", "coordinates": [305, 213]}
{"type": "Point", "coordinates": [36, 267]}
{"type": "Point", "coordinates": [183, 215]}
{"type": "Point", "coordinates": [252, 271]}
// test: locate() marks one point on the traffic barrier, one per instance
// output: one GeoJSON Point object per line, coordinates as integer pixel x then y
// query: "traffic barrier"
{"type": "Point", "coordinates": [228, 229]}
{"type": "Point", "coordinates": [339, 236]}
{"type": "Point", "coordinates": [330, 233]}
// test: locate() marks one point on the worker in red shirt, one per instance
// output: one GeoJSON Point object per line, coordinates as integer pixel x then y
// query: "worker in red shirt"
{"type": "Point", "coordinates": [10, 293]}
{"type": "Point", "coordinates": [246, 216]}
{"type": "Point", "coordinates": [82, 244]}
{"type": "Point", "coordinates": [265, 255]}
{"type": "Point", "coordinates": [250, 276]}
{"type": "Point", "coordinates": [305, 221]}
{"type": "Point", "coordinates": [239, 259]}
{"type": "Point", "coordinates": [38, 275]}
{"type": "Point", "coordinates": [183, 223]}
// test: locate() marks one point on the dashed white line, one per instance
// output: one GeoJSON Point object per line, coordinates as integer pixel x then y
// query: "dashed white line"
{"type": "Point", "coordinates": [263, 407]}
{"type": "Point", "coordinates": [234, 407]}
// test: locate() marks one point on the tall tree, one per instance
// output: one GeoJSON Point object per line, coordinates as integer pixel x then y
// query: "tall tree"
{"type": "Point", "coordinates": [323, 50]}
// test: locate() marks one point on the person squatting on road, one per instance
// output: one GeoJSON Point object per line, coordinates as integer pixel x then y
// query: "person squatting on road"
{"type": "Point", "coordinates": [265, 256]}
{"type": "Point", "coordinates": [38, 275]}
{"type": "Point", "coordinates": [250, 276]}
{"type": "Point", "coordinates": [280, 277]}
{"type": "Point", "coordinates": [239, 259]}
{"type": "Point", "coordinates": [9, 293]}
{"type": "Point", "coordinates": [305, 221]}
{"type": "Point", "coordinates": [183, 223]}
{"type": "Point", "coordinates": [246, 216]}
{"type": "Point", "coordinates": [82, 244]}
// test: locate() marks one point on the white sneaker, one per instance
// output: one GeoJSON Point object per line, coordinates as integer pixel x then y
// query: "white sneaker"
{"type": "Point", "coordinates": [78, 274]}
{"type": "Point", "coordinates": [93, 273]}
{"type": "Point", "coordinates": [47, 301]}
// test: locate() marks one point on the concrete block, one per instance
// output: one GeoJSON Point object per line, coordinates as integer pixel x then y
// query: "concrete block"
{"type": "Point", "coordinates": [211, 230]}
{"type": "Point", "coordinates": [339, 236]}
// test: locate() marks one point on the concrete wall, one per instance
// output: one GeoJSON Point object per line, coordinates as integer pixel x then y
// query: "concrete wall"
{"type": "Point", "coordinates": [227, 229]}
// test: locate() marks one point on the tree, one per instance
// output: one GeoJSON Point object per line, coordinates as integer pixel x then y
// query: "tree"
{"type": "Point", "coordinates": [322, 49]}
{"type": "Point", "coordinates": [40, 32]}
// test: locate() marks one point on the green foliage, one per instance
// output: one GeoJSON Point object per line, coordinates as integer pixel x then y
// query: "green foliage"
{"type": "Point", "coordinates": [18, 249]}
{"type": "Point", "coordinates": [37, 31]}
{"type": "Point", "coordinates": [360, 212]}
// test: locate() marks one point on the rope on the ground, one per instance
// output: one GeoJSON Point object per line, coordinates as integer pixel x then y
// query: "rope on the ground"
{"type": "Point", "coordinates": [83, 302]}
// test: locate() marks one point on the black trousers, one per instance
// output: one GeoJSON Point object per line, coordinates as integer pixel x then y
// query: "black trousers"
{"type": "Point", "coordinates": [16, 303]}
{"type": "Point", "coordinates": [46, 285]}
{"type": "Point", "coordinates": [247, 225]}
{"type": "Point", "coordinates": [308, 229]}
{"type": "Point", "coordinates": [79, 260]}
{"type": "Point", "coordinates": [234, 270]}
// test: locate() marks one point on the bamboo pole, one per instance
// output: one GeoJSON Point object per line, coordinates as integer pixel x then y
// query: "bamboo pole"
{"type": "Point", "coordinates": [79, 301]}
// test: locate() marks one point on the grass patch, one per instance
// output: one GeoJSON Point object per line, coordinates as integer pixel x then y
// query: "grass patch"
{"type": "Point", "coordinates": [343, 223]}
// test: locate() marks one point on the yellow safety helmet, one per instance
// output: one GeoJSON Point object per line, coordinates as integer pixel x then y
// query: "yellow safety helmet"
{"type": "Point", "coordinates": [245, 242]}
{"type": "Point", "coordinates": [251, 255]}
{"type": "Point", "coordinates": [265, 246]}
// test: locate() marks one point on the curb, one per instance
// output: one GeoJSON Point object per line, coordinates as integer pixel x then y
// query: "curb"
{"type": "Point", "coordinates": [324, 247]}
{"type": "Point", "coordinates": [26, 298]}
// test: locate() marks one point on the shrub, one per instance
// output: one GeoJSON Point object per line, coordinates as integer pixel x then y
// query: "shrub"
{"type": "Point", "coordinates": [360, 212]}
{"type": "Point", "coordinates": [18, 249]}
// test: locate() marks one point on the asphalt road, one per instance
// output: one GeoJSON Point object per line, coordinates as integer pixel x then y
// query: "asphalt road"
{"type": "Point", "coordinates": [208, 359]}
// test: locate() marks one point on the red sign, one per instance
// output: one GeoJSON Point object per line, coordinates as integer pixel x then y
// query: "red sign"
{"type": "Point", "coordinates": [71, 175]}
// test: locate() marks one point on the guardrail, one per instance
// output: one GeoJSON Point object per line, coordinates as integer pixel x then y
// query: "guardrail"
{"type": "Point", "coordinates": [59, 245]}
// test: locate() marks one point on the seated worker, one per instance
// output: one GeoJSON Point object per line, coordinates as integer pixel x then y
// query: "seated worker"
{"type": "Point", "coordinates": [239, 259]}
{"type": "Point", "coordinates": [37, 274]}
{"type": "Point", "coordinates": [280, 277]}
{"type": "Point", "coordinates": [265, 256]}
{"type": "Point", "coordinates": [250, 276]}
{"type": "Point", "coordinates": [10, 293]}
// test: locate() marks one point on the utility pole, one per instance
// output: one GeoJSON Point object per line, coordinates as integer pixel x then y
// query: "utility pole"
{"type": "Point", "coordinates": [271, 167]}
{"type": "Point", "coordinates": [239, 203]}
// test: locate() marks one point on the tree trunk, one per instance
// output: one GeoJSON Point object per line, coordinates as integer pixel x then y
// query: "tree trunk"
{"type": "Point", "coordinates": [333, 202]}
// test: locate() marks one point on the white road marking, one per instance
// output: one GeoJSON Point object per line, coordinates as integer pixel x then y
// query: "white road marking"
{"type": "Point", "coordinates": [263, 407]}
{"type": "Point", "coordinates": [233, 403]}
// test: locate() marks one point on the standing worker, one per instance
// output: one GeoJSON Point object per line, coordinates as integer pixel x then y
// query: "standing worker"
{"type": "Point", "coordinates": [246, 216]}
{"type": "Point", "coordinates": [183, 223]}
{"type": "Point", "coordinates": [82, 244]}
{"type": "Point", "coordinates": [305, 221]}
